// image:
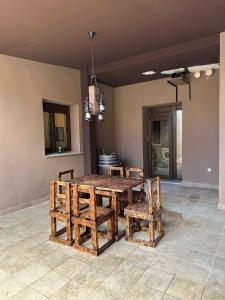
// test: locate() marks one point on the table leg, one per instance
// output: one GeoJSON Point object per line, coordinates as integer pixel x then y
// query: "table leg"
{"type": "Point", "coordinates": [130, 196]}
{"type": "Point", "coordinates": [115, 207]}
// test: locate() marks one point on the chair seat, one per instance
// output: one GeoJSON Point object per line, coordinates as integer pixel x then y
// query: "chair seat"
{"type": "Point", "coordinates": [137, 210]}
{"type": "Point", "coordinates": [101, 212]}
{"type": "Point", "coordinates": [140, 210]}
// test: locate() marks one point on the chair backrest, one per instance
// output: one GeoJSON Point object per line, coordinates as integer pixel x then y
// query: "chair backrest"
{"type": "Point", "coordinates": [60, 196]}
{"type": "Point", "coordinates": [154, 195]}
{"type": "Point", "coordinates": [67, 172]}
{"type": "Point", "coordinates": [91, 200]}
{"type": "Point", "coordinates": [116, 171]}
{"type": "Point", "coordinates": [134, 172]}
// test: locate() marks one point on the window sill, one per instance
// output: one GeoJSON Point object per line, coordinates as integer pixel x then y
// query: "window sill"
{"type": "Point", "coordinates": [62, 154]}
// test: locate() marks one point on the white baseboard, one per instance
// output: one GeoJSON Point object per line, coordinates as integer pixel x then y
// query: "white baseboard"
{"type": "Point", "coordinates": [200, 185]}
{"type": "Point", "coordinates": [23, 205]}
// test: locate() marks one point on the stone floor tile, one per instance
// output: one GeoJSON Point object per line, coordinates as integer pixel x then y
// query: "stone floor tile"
{"type": "Point", "coordinates": [221, 249]}
{"type": "Point", "coordinates": [3, 275]}
{"type": "Point", "coordinates": [49, 283]}
{"type": "Point", "coordinates": [123, 278]}
{"type": "Point", "coordinates": [72, 291]}
{"type": "Point", "coordinates": [168, 297]}
{"type": "Point", "coordinates": [185, 289]}
{"type": "Point", "coordinates": [91, 276]}
{"type": "Point", "coordinates": [146, 293]}
{"type": "Point", "coordinates": [31, 273]}
{"type": "Point", "coordinates": [102, 294]}
{"type": "Point", "coordinates": [70, 268]}
{"type": "Point", "coordinates": [10, 287]}
{"type": "Point", "coordinates": [174, 251]}
{"type": "Point", "coordinates": [107, 262]}
{"type": "Point", "coordinates": [54, 259]}
{"type": "Point", "coordinates": [200, 258]}
{"type": "Point", "coordinates": [193, 272]}
{"type": "Point", "coordinates": [155, 279]}
{"type": "Point", "coordinates": [143, 255]}
{"type": "Point", "coordinates": [166, 264]}
{"type": "Point", "coordinates": [216, 279]}
{"type": "Point", "coordinates": [121, 248]}
{"type": "Point", "coordinates": [219, 263]}
{"type": "Point", "coordinates": [13, 264]}
{"type": "Point", "coordinates": [28, 294]}
{"type": "Point", "coordinates": [211, 293]}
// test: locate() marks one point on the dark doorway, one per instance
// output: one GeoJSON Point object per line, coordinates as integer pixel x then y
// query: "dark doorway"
{"type": "Point", "coordinates": [162, 141]}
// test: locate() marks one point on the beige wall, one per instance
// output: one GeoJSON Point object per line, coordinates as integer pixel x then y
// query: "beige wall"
{"type": "Point", "coordinates": [25, 172]}
{"type": "Point", "coordinates": [222, 124]}
{"type": "Point", "coordinates": [200, 124]}
{"type": "Point", "coordinates": [105, 131]}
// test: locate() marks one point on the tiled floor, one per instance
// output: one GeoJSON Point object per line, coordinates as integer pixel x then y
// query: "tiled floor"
{"type": "Point", "coordinates": [189, 262]}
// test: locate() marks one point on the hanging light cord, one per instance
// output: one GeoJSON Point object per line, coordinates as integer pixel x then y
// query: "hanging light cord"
{"type": "Point", "coordinates": [92, 56]}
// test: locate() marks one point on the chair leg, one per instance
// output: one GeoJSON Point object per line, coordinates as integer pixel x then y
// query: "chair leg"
{"type": "Point", "coordinates": [69, 230]}
{"type": "Point", "coordinates": [94, 237]}
{"type": "Point", "coordinates": [159, 225]}
{"type": "Point", "coordinates": [128, 227]}
{"type": "Point", "coordinates": [110, 228]}
{"type": "Point", "coordinates": [77, 234]}
{"type": "Point", "coordinates": [151, 231]}
{"type": "Point", "coordinates": [53, 226]}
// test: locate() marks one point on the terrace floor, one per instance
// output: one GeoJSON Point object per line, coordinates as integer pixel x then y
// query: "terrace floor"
{"type": "Point", "coordinates": [189, 262]}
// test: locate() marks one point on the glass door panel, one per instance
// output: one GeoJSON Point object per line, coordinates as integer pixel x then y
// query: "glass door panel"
{"type": "Point", "coordinates": [161, 132]}
{"type": "Point", "coordinates": [179, 143]}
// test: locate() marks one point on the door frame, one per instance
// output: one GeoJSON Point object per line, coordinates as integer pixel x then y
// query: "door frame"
{"type": "Point", "coordinates": [147, 142]}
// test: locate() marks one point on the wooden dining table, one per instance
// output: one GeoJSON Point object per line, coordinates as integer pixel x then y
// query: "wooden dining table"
{"type": "Point", "coordinates": [111, 186]}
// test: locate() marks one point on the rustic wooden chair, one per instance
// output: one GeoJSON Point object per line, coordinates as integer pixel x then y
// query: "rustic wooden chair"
{"type": "Point", "coordinates": [63, 173]}
{"type": "Point", "coordinates": [149, 211]}
{"type": "Point", "coordinates": [69, 174]}
{"type": "Point", "coordinates": [122, 198]}
{"type": "Point", "coordinates": [138, 193]}
{"type": "Point", "coordinates": [91, 217]}
{"type": "Point", "coordinates": [60, 210]}
{"type": "Point", "coordinates": [116, 171]}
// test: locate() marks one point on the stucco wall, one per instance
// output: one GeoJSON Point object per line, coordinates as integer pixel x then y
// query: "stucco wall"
{"type": "Point", "coordinates": [200, 124]}
{"type": "Point", "coordinates": [222, 124]}
{"type": "Point", "coordinates": [105, 131]}
{"type": "Point", "coordinates": [24, 170]}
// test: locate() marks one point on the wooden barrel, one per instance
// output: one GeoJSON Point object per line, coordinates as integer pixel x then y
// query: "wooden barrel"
{"type": "Point", "coordinates": [105, 161]}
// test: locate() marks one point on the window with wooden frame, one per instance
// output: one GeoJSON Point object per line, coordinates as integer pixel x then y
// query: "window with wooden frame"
{"type": "Point", "coordinates": [56, 127]}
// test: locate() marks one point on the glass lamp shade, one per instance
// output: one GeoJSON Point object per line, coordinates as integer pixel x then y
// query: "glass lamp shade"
{"type": "Point", "coordinates": [101, 108]}
{"type": "Point", "coordinates": [100, 117]}
{"type": "Point", "coordinates": [87, 116]}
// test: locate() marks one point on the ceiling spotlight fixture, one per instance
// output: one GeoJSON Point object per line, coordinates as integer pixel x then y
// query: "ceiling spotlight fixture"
{"type": "Point", "coordinates": [207, 69]}
{"type": "Point", "coordinates": [208, 73]}
{"type": "Point", "coordinates": [148, 73]}
{"type": "Point", "coordinates": [94, 104]}
{"type": "Point", "coordinates": [197, 74]}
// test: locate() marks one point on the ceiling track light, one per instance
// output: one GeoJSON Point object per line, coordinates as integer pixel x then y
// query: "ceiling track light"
{"type": "Point", "coordinates": [197, 74]}
{"type": "Point", "coordinates": [208, 73]}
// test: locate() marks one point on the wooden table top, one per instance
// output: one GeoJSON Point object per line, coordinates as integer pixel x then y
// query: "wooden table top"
{"type": "Point", "coordinates": [108, 183]}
